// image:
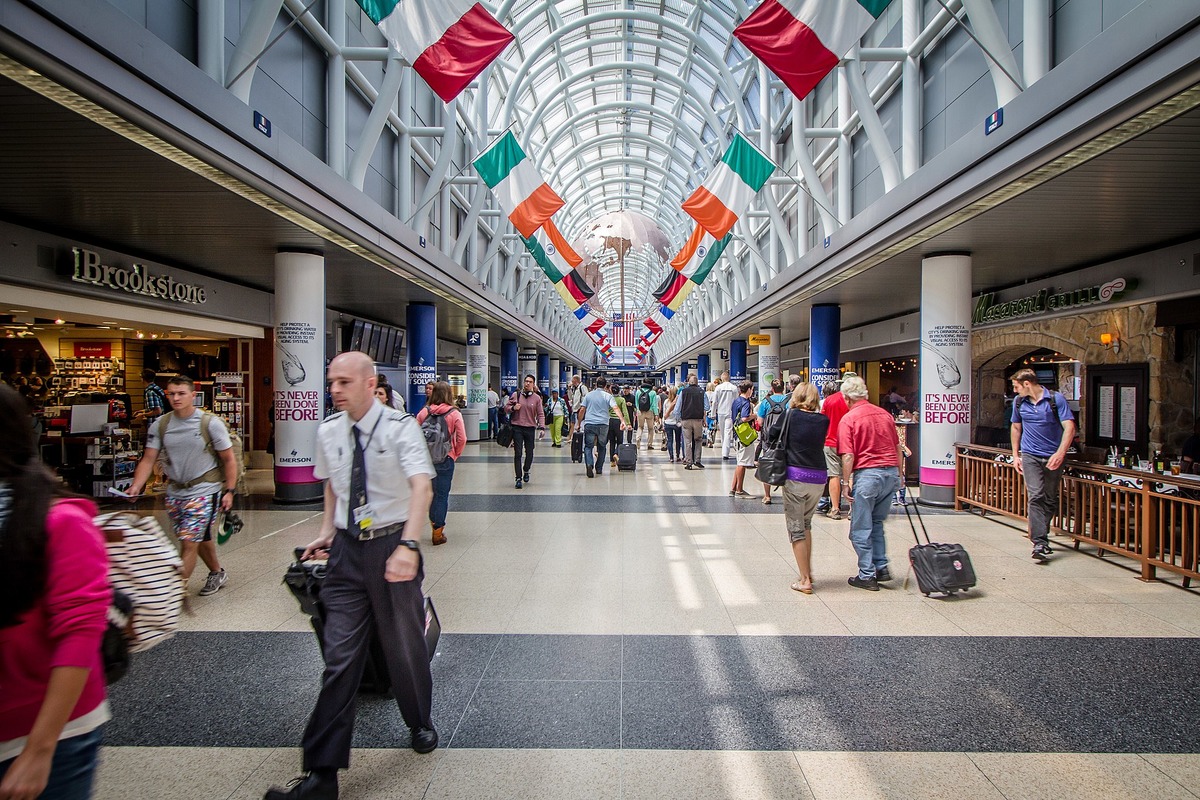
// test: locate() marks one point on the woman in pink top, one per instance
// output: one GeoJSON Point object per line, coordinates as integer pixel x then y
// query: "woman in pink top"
{"type": "Point", "coordinates": [54, 595]}
{"type": "Point", "coordinates": [441, 403]}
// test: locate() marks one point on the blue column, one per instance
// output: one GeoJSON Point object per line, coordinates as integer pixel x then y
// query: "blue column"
{"type": "Point", "coordinates": [508, 366]}
{"type": "Point", "coordinates": [683, 372]}
{"type": "Point", "coordinates": [563, 369]}
{"type": "Point", "coordinates": [824, 344]}
{"type": "Point", "coordinates": [543, 373]}
{"type": "Point", "coordinates": [737, 361]}
{"type": "Point", "coordinates": [422, 352]}
{"type": "Point", "coordinates": [702, 371]}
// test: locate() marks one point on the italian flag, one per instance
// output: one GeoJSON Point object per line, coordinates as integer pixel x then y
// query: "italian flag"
{"type": "Point", "coordinates": [700, 253]}
{"type": "Point", "coordinates": [729, 189]}
{"type": "Point", "coordinates": [802, 40]}
{"type": "Point", "coordinates": [519, 188]}
{"type": "Point", "coordinates": [448, 42]}
{"type": "Point", "coordinates": [556, 257]}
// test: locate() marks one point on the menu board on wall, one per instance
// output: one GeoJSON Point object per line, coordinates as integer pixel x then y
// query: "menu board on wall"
{"type": "Point", "coordinates": [1106, 411]}
{"type": "Point", "coordinates": [1128, 413]}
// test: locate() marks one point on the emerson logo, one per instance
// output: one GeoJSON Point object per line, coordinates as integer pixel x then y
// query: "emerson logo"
{"type": "Point", "coordinates": [133, 280]}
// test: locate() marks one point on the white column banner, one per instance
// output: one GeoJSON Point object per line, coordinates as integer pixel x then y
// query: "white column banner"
{"type": "Point", "coordinates": [477, 370]}
{"type": "Point", "coordinates": [767, 341]}
{"type": "Point", "coordinates": [945, 410]}
{"type": "Point", "coordinates": [717, 362]}
{"type": "Point", "coordinates": [299, 376]}
{"type": "Point", "coordinates": [526, 365]}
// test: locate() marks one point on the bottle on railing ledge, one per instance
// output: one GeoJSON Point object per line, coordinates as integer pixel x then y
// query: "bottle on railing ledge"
{"type": "Point", "coordinates": [1126, 459]}
{"type": "Point", "coordinates": [1160, 463]}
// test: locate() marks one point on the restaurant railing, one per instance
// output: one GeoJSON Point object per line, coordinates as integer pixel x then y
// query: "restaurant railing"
{"type": "Point", "coordinates": [1151, 518]}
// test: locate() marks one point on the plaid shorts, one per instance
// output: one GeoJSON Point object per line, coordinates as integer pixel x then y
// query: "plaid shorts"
{"type": "Point", "coordinates": [192, 517]}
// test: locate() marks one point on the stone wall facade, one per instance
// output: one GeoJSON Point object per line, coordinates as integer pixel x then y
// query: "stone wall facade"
{"type": "Point", "coordinates": [1172, 382]}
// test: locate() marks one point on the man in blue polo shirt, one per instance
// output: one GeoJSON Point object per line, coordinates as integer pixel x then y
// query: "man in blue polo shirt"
{"type": "Point", "coordinates": [1043, 427]}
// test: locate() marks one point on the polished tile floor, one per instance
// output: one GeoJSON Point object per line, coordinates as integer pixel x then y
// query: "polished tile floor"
{"type": "Point", "coordinates": [635, 636]}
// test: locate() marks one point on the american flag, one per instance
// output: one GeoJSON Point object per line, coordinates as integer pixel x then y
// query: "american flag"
{"type": "Point", "coordinates": [625, 330]}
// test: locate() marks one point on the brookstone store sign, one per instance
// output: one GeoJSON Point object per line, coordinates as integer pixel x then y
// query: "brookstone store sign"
{"type": "Point", "coordinates": [136, 279]}
{"type": "Point", "coordinates": [1047, 301]}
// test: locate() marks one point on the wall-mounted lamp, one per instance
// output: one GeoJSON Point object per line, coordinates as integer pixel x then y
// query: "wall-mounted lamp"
{"type": "Point", "coordinates": [1111, 341]}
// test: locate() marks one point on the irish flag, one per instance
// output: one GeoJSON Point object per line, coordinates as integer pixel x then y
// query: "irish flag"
{"type": "Point", "coordinates": [519, 187]}
{"type": "Point", "coordinates": [802, 40]}
{"type": "Point", "coordinates": [700, 253]}
{"type": "Point", "coordinates": [448, 42]}
{"type": "Point", "coordinates": [730, 188]}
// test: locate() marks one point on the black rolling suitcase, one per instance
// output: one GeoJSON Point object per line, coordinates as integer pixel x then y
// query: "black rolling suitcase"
{"type": "Point", "coordinates": [627, 454]}
{"type": "Point", "coordinates": [943, 568]}
{"type": "Point", "coordinates": [577, 447]}
{"type": "Point", "coordinates": [304, 579]}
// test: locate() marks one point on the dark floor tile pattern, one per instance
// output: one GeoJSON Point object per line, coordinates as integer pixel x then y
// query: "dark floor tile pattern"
{"type": "Point", "coordinates": [942, 694]}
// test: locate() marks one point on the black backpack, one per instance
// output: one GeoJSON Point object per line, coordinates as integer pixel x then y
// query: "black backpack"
{"type": "Point", "coordinates": [643, 400]}
{"type": "Point", "coordinates": [775, 410]}
{"type": "Point", "coordinates": [437, 436]}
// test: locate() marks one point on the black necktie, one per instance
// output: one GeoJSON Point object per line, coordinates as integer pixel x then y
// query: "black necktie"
{"type": "Point", "coordinates": [358, 481]}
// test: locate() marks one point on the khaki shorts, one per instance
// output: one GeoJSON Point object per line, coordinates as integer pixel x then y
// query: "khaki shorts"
{"type": "Point", "coordinates": [799, 502]}
{"type": "Point", "coordinates": [833, 462]}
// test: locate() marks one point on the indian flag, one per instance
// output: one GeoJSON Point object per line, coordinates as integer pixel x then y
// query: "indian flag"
{"type": "Point", "coordinates": [519, 187]}
{"type": "Point", "coordinates": [802, 40]}
{"type": "Point", "coordinates": [699, 255]}
{"type": "Point", "coordinates": [448, 42]}
{"type": "Point", "coordinates": [556, 257]}
{"type": "Point", "coordinates": [730, 188]}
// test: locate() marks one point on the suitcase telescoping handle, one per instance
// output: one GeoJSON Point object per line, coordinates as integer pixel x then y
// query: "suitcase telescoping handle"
{"type": "Point", "coordinates": [917, 511]}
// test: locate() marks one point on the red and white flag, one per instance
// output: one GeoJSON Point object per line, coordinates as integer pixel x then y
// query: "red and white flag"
{"type": "Point", "coordinates": [802, 40]}
{"type": "Point", "coordinates": [448, 42]}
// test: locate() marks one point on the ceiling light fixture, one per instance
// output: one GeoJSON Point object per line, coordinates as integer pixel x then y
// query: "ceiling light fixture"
{"type": "Point", "coordinates": [59, 321]}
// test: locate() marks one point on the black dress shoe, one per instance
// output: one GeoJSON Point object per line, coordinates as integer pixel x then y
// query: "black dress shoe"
{"type": "Point", "coordinates": [870, 584]}
{"type": "Point", "coordinates": [308, 787]}
{"type": "Point", "coordinates": [424, 740]}
{"type": "Point", "coordinates": [882, 575]}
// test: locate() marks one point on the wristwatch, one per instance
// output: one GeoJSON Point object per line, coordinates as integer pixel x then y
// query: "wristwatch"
{"type": "Point", "coordinates": [410, 544]}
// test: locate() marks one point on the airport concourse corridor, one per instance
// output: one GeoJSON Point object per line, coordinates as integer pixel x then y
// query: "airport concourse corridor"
{"type": "Point", "coordinates": [634, 636]}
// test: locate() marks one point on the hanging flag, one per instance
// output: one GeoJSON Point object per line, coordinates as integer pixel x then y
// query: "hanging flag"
{"type": "Point", "coordinates": [802, 40]}
{"type": "Point", "coordinates": [700, 253]}
{"type": "Point", "coordinates": [624, 330]}
{"type": "Point", "coordinates": [448, 42]}
{"type": "Point", "coordinates": [596, 329]}
{"type": "Point", "coordinates": [519, 187]}
{"type": "Point", "coordinates": [670, 288]}
{"type": "Point", "coordinates": [556, 257]}
{"type": "Point", "coordinates": [651, 329]}
{"type": "Point", "coordinates": [677, 302]}
{"type": "Point", "coordinates": [728, 190]}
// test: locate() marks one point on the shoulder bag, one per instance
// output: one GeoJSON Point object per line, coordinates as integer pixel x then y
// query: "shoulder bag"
{"type": "Point", "coordinates": [772, 461]}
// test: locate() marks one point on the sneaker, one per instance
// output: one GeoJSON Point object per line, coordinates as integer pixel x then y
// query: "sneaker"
{"type": "Point", "coordinates": [519, 484]}
{"type": "Point", "coordinates": [214, 583]}
{"type": "Point", "coordinates": [883, 575]}
{"type": "Point", "coordinates": [1042, 552]}
{"type": "Point", "coordinates": [870, 584]}
{"type": "Point", "coordinates": [306, 787]}
{"type": "Point", "coordinates": [591, 473]}
{"type": "Point", "coordinates": [699, 465]}
{"type": "Point", "coordinates": [526, 477]}
{"type": "Point", "coordinates": [824, 505]}
{"type": "Point", "coordinates": [599, 470]}
{"type": "Point", "coordinates": [689, 465]}
{"type": "Point", "coordinates": [836, 515]}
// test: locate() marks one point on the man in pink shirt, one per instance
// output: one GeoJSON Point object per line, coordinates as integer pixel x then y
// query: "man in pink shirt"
{"type": "Point", "coordinates": [870, 451]}
{"type": "Point", "coordinates": [835, 408]}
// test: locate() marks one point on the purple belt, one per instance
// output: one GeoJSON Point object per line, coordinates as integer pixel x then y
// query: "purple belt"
{"type": "Point", "coordinates": [806, 475]}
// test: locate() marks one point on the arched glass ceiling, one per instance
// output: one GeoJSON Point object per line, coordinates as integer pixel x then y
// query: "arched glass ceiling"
{"type": "Point", "coordinates": [624, 104]}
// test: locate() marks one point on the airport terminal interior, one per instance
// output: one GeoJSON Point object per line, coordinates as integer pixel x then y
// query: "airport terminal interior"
{"type": "Point", "coordinates": [921, 197]}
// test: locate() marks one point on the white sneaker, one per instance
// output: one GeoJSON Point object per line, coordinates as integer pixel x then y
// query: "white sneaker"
{"type": "Point", "coordinates": [214, 583]}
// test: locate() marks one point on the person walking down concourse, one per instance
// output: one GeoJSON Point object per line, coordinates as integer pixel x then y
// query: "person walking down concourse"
{"type": "Point", "coordinates": [526, 414]}
{"type": "Point", "coordinates": [446, 442]}
{"type": "Point", "coordinates": [1042, 430]}
{"type": "Point", "coordinates": [54, 597]}
{"type": "Point", "coordinates": [805, 448]}
{"type": "Point", "coordinates": [377, 474]}
{"type": "Point", "coordinates": [594, 414]}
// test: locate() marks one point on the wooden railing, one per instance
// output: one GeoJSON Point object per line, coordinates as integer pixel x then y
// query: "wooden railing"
{"type": "Point", "coordinates": [1153, 519]}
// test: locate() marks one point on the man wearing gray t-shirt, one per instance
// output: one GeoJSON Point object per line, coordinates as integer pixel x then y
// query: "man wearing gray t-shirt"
{"type": "Point", "coordinates": [201, 479]}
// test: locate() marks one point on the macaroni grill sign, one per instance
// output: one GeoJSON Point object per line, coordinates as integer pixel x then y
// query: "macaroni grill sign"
{"type": "Point", "coordinates": [134, 280]}
{"type": "Point", "coordinates": [1047, 301]}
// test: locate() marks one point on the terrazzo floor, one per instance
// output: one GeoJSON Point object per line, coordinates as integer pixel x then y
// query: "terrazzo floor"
{"type": "Point", "coordinates": [634, 636]}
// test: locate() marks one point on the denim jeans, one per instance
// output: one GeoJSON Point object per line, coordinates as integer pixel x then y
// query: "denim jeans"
{"type": "Point", "coordinates": [493, 421]}
{"type": "Point", "coordinates": [674, 441]}
{"type": "Point", "coordinates": [874, 488]}
{"type": "Point", "coordinates": [595, 435]}
{"type": "Point", "coordinates": [1041, 486]}
{"type": "Point", "coordinates": [441, 492]}
{"type": "Point", "coordinates": [72, 769]}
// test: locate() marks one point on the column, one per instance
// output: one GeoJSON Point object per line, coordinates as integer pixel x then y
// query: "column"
{"type": "Point", "coordinates": [559, 371]}
{"type": "Point", "coordinates": [526, 365]}
{"type": "Point", "coordinates": [422, 352]}
{"type": "Point", "coordinates": [543, 374]}
{"type": "Point", "coordinates": [768, 359]}
{"type": "Point", "coordinates": [716, 361]}
{"type": "Point", "coordinates": [508, 366]}
{"type": "Point", "coordinates": [737, 361]}
{"type": "Point", "coordinates": [824, 344]}
{"type": "Point", "coordinates": [477, 376]}
{"type": "Point", "coordinates": [945, 370]}
{"type": "Point", "coordinates": [673, 376]}
{"type": "Point", "coordinates": [684, 369]}
{"type": "Point", "coordinates": [703, 374]}
{"type": "Point", "coordinates": [299, 375]}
